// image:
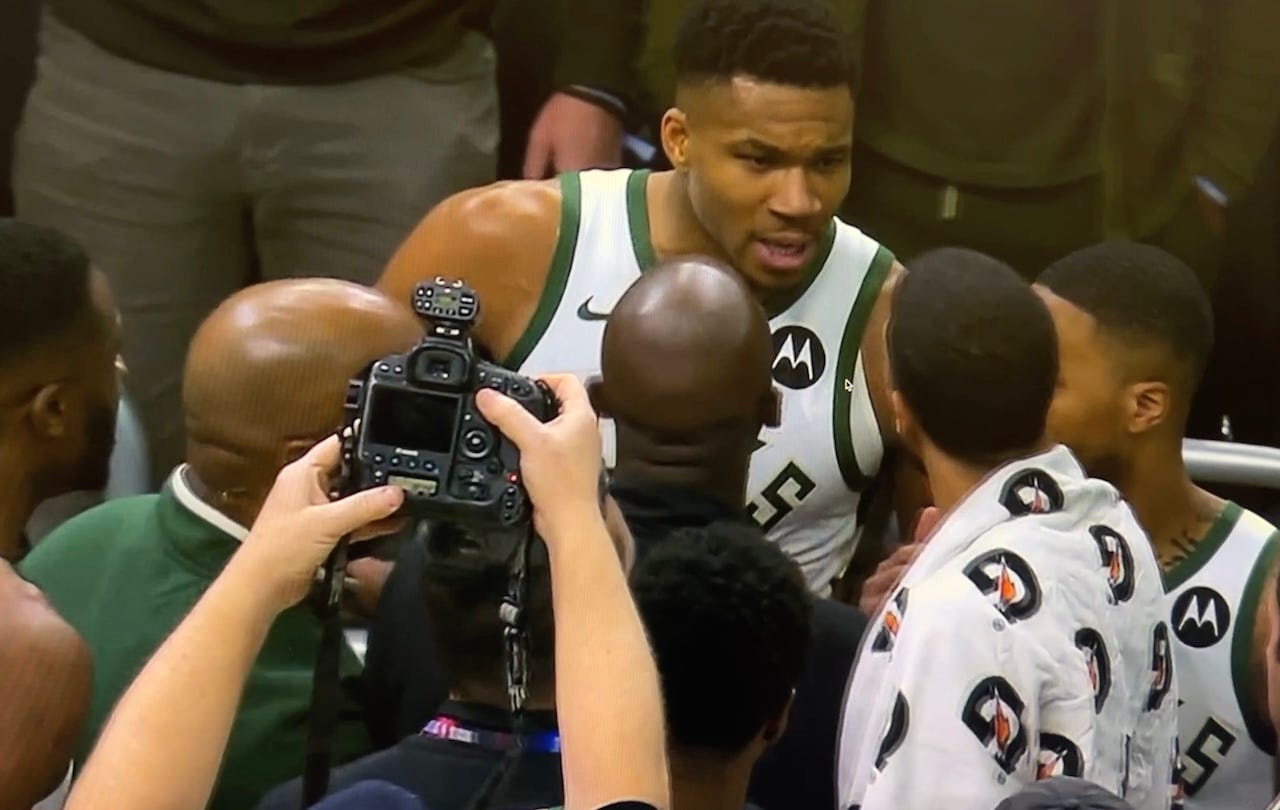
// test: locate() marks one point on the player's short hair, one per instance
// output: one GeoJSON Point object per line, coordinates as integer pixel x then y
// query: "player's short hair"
{"type": "Point", "coordinates": [729, 619]}
{"type": "Point", "coordinates": [789, 42]}
{"type": "Point", "coordinates": [1139, 293]}
{"type": "Point", "coordinates": [44, 288]}
{"type": "Point", "coordinates": [972, 351]}
{"type": "Point", "coordinates": [466, 579]}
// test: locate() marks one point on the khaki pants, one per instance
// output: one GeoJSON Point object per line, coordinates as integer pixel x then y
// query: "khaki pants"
{"type": "Point", "coordinates": [184, 190]}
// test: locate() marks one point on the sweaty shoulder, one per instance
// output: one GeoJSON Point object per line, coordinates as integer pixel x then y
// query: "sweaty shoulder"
{"type": "Point", "coordinates": [45, 673]}
{"type": "Point", "coordinates": [499, 239]}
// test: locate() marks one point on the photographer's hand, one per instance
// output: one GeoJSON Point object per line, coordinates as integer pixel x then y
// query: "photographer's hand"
{"type": "Point", "coordinates": [298, 525]}
{"type": "Point", "coordinates": [603, 664]}
{"type": "Point", "coordinates": [163, 744]}
{"type": "Point", "coordinates": [559, 460]}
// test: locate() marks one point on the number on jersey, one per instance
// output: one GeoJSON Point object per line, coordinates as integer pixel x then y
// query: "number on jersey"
{"type": "Point", "coordinates": [783, 494]}
{"type": "Point", "coordinates": [1205, 754]}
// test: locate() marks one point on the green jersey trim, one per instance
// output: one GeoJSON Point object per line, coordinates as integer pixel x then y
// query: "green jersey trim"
{"type": "Point", "coordinates": [850, 345]}
{"type": "Point", "coordinates": [1242, 670]}
{"type": "Point", "coordinates": [558, 274]}
{"type": "Point", "coordinates": [1205, 549]}
{"type": "Point", "coordinates": [638, 219]}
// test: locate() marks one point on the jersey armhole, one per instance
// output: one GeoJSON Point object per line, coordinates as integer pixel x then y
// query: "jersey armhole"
{"type": "Point", "coordinates": [557, 275]}
{"type": "Point", "coordinates": [1242, 671]}
{"type": "Point", "coordinates": [849, 377]}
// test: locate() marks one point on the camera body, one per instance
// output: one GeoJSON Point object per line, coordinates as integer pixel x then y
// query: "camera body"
{"type": "Point", "coordinates": [413, 421]}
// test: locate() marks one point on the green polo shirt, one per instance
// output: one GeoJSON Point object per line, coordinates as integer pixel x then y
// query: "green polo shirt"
{"type": "Point", "coordinates": [125, 574]}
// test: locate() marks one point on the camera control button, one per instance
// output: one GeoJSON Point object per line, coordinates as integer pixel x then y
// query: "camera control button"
{"type": "Point", "coordinates": [476, 443]}
{"type": "Point", "coordinates": [379, 459]}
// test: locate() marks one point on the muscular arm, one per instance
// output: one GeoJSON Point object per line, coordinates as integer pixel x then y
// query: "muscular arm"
{"type": "Point", "coordinates": [500, 240]}
{"type": "Point", "coordinates": [45, 675]}
{"type": "Point", "coordinates": [1261, 641]}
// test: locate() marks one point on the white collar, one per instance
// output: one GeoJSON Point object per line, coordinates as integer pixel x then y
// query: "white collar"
{"type": "Point", "coordinates": [187, 497]}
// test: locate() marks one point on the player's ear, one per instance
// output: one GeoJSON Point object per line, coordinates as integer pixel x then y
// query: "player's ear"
{"type": "Point", "coordinates": [51, 411]}
{"type": "Point", "coordinates": [771, 408]}
{"type": "Point", "coordinates": [1148, 405]}
{"type": "Point", "coordinates": [595, 393]}
{"type": "Point", "coordinates": [674, 131]}
{"type": "Point", "coordinates": [905, 427]}
{"type": "Point", "coordinates": [777, 724]}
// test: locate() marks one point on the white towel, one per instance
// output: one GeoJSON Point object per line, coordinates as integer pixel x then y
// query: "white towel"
{"type": "Point", "coordinates": [1027, 640]}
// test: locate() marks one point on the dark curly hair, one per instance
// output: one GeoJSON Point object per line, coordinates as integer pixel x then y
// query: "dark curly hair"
{"type": "Point", "coordinates": [728, 616]}
{"type": "Point", "coordinates": [789, 42]}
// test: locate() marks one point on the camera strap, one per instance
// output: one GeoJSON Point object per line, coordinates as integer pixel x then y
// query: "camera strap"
{"type": "Point", "coordinates": [515, 637]}
{"type": "Point", "coordinates": [326, 686]}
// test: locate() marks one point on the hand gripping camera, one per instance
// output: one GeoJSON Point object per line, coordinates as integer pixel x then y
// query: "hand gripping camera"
{"type": "Point", "coordinates": [414, 423]}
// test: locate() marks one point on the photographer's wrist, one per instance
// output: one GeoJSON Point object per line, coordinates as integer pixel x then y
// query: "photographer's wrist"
{"type": "Point", "coordinates": [565, 522]}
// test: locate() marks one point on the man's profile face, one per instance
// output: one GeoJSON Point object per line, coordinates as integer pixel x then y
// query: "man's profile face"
{"type": "Point", "coordinates": [768, 165]}
{"type": "Point", "coordinates": [99, 390]}
{"type": "Point", "coordinates": [1087, 412]}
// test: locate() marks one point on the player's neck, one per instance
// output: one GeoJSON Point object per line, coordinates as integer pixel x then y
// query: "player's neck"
{"type": "Point", "coordinates": [674, 227]}
{"type": "Point", "coordinates": [1175, 513]}
{"type": "Point", "coordinates": [704, 479]}
{"type": "Point", "coordinates": [708, 783]}
{"type": "Point", "coordinates": [951, 480]}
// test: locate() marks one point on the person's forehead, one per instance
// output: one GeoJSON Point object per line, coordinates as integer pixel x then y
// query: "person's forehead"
{"type": "Point", "coordinates": [746, 105]}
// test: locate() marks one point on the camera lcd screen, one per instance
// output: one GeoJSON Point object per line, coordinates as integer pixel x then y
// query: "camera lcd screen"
{"type": "Point", "coordinates": [412, 420]}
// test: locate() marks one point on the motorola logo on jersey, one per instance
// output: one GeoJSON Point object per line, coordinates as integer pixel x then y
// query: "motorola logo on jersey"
{"type": "Point", "coordinates": [1031, 492]}
{"type": "Point", "coordinates": [798, 357]}
{"type": "Point", "coordinates": [1008, 583]}
{"type": "Point", "coordinates": [896, 732]}
{"type": "Point", "coordinates": [1117, 559]}
{"type": "Point", "coordinates": [1098, 663]}
{"type": "Point", "coordinates": [993, 713]}
{"type": "Point", "coordinates": [1201, 617]}
{"type": "Point", "coordinates": [891, 623]}
{"type": "Point", "coordinates": [1161, 668]}
{"type": "Point", "coordinates": [1058, 757]}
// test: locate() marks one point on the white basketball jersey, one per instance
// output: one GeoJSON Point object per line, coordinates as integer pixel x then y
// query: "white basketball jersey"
{"type": "Point", "coordinates": [1212, 597]}
{"type": "Point", "coordinates": [806, 474]}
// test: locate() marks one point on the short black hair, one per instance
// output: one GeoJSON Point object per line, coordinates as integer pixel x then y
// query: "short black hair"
{"type": "Point", "coordinates": [44, 288]}
{"type": "Point", "coordinates": [729, 619]}
{"type": "Point", "coordinates": [466, 578]}
{"type": "Point", "coordinates": [1139, 292]}
{"type": "Point", "coordinates": [973, 352]}
{"type": "Point", "coordinates": [789, 42]}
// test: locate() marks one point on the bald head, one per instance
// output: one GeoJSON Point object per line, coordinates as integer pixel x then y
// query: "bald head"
{"type": "Point", "coordinates": [269, 368]}
{"type": "Point", "coordinates": [686, 346]}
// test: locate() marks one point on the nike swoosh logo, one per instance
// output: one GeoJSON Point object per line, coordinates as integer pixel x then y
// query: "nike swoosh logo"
{"type": "Point", "coordinates": [585, 313]}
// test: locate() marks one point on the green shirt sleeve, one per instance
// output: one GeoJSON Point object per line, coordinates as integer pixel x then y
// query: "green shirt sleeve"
{"type": "Point", "coordinates": [1237, 99]}
{"type": "Point", "coordinates": [601, 45]}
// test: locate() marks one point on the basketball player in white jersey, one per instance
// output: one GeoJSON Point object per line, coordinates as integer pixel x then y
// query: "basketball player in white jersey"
{"type": "Point", "coordinates": [1135, 331]}
{"type": "Point", "coordinates": [760, 141]}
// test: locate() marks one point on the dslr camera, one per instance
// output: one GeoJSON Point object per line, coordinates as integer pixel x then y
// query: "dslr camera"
{"type": "Point", "coordinates": [413, 421]}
